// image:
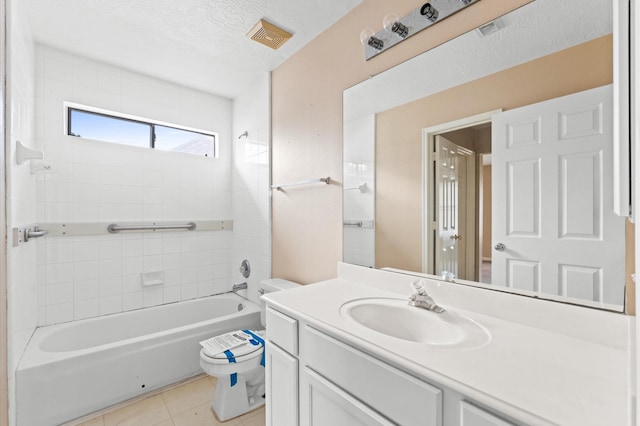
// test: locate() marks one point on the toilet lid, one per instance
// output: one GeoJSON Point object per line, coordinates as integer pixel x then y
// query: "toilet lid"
{"type": "Point", "coordinates": [253, 346]}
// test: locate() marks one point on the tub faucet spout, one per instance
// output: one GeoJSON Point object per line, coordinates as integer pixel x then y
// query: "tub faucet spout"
{"type": "Point", "coordinates": [241, 286]}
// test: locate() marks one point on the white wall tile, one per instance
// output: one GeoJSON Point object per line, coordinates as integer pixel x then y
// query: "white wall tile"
{"type": "Point", "coordinates": [171, 261]}
{"type": "Point", "coordinates": [172, 278]}
{"type": "Point", "coordinates": [59, 293]}
{"type": "Point", "coordinates": [188, 276]}
{"type": "Point", "coordinates": [23, 289]}
{"type": "Point", "coordinates": [85, 249]}
{"type": "Point", "coordinates": [153, 245]}
{"type": "Point", "coordinates": [98, 181]}
{"type": "Point", "coordinates": [171, 294]}
{"type": "Point", "coordinates": [131, 86]}
{"type": "Point", "coordinates": [59, 68]}
{"type": "Point", "coordinates": [110, 286]}
{"type": "Point", "coordinates": [205, 288]}
{"type": "Point", "coordinates": [57, 252]}
{"type": "Point", "coordinates": [109, 81]}
{"type": "Point", "coordinates": [84, 290]}
{"type": "Point", "coordinates": [189, 291]}
{"type": "Point", "coordinates": [111, 249]}
{"type": "Point", "coordinates": [86, 309]}
{"type": "Point", "coordinates": [86, 76]}
{"type": "Point", "coordinates": [111, 304]}
{"type": "Point", "coordinates": [58, 273]}
{"type": "Point", "coordinates": [132, 301]}
{"type": "Point", "coordinates": [251, 192]}
{"type": "Point", "coordinates": [153, 296]}
{"type": "Point", "coordinates": [132, 265]}
{"type": "Point", "coordinates": [82, 212]}
{"type": "Point", "coordinates": [111, 267]}
{"type": "Point", "coordinates": [59, 313]}
{"type": "Point", "coordinates": [85, 270]}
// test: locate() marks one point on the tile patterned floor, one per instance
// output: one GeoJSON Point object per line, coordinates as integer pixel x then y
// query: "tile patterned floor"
{"type": "Point", "coordinates": [187, 404]}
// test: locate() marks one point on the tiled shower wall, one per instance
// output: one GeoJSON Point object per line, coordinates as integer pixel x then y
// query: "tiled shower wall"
{"type": "Point", "coordinates": [91, 181]}
{"type": "Point", "coordinates": [251, 194]}
{"type": "Point", "coordinates": [359, 205]}
{"type": "Point", "coordinates": [21, 190]}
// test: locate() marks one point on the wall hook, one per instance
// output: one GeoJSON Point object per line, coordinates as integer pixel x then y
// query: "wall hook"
{"type": "Point", "coordinates": [244, 134]}
{"type": "Point", "coordinates": [24, 154]}
{"type": "Point", "coordinates": [39, 166]}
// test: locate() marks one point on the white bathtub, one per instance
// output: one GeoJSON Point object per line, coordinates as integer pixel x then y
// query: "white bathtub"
{"type": "Point", "coordinates": [73, 369]}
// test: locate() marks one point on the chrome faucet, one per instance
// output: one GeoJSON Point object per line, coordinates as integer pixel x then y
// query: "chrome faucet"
{"type": "Point", "coordinates": [241, 286]}
{"type": "Point", "coordinates": [420, 298]}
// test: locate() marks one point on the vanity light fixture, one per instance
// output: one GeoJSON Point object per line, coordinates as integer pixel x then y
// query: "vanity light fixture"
{"type": "Point", "coordinates": [396, 29]}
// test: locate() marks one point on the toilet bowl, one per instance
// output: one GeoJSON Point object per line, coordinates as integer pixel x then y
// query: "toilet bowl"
{"type": "Point", "coordinates": [240, 370]}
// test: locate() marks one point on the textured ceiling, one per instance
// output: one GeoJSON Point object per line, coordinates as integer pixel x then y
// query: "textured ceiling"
{"type": "Point", "coordinates": [197, 43]}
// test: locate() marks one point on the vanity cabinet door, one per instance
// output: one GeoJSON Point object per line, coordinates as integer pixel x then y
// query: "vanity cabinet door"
{"type": "Point", "coordinates": [283, 330]}
{"type": "Point", "coordinates": [281, 387]}
{"type": "Point", "coordinates": [400, 397]}
{"type": "Point", "coordinates": [324, 404]}
{"type": "Point", "coordinates": [470, 415]}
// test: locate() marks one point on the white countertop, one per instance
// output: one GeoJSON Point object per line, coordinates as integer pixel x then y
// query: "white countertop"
{"type": "Point", "coordinates": [540, 366]}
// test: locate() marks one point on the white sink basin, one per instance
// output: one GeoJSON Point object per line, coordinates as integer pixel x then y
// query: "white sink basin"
{"type": "Point", "coordinates": [395, 318]}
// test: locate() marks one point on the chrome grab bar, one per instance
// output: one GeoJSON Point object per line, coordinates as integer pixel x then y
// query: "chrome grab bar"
{"type": "Point", "coordinates": [36, 232]}
{"type": "Point", "coordinates": [357, 223]}
{"type": "Point", "coordinates": [114, 228]}
{"type": "Point", "coordinates": [26, 233]}
{"type": "Point", "coordinates": [326, 180]}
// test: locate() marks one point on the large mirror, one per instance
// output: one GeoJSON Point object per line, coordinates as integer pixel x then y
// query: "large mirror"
{"type": "Point", "coordinates": [489, 160]}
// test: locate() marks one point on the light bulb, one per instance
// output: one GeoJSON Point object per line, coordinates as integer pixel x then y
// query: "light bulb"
{"type": "Point", "coordinates": [392, 24]}
{"type": "Point", "coordinates": [365, 35]}
{"type": "Point", "coordinates": [389, 20]}
{"type": "Point", "coordinates": [367, 38]}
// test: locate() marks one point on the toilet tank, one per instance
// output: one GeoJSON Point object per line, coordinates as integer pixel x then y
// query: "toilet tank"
{"type": "Point", "coordinates": [269, 286]}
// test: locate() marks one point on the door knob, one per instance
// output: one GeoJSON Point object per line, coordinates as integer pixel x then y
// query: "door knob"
{"type": "Point", "coordinates": [500, 247]}
{"type": "Point", "coordinates": [456, 237]}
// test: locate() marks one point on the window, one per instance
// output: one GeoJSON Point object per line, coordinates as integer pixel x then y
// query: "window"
{"type": "Point", "coordinates": [87, 123]}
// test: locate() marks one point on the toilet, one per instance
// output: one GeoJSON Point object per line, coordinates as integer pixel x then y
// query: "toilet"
{"type": "Point", "coordinates": [240, 371]}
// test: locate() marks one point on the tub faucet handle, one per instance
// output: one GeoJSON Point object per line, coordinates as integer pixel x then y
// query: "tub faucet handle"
{"type": "Point", "coordinates": [245, 268]}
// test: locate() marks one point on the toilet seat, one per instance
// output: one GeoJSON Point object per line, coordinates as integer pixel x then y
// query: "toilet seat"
{"type": "Point", "coordinates": [252, 349]}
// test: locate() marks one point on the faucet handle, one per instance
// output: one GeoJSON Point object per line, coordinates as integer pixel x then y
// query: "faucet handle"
{"type": "Point", "coordinates": [418, 287]}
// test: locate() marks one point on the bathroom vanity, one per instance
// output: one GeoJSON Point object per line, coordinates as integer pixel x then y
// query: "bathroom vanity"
{"type": "Point", "coordinates": [351, 351]}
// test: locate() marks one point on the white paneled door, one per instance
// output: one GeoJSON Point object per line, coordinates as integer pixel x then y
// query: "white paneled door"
{"type": "Point", "coordinates": [451, 170]}
{"type": "Point", "coordinates": [554, 229]}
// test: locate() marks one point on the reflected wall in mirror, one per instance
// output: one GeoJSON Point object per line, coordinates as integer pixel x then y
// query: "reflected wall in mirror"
{"type": "Point", "coordinates": [425, 171]}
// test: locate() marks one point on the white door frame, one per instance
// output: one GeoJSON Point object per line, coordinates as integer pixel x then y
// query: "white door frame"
{"type": "Point", "coordinates": [4, 339]}
{"type": "Point", "coordinates": [428, 142]}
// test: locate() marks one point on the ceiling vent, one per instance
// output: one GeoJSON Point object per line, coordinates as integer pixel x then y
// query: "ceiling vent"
{"type": "Point", "coordinates": [489, 28]}
{"type": "Point", "coordinates": [268, 34]}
